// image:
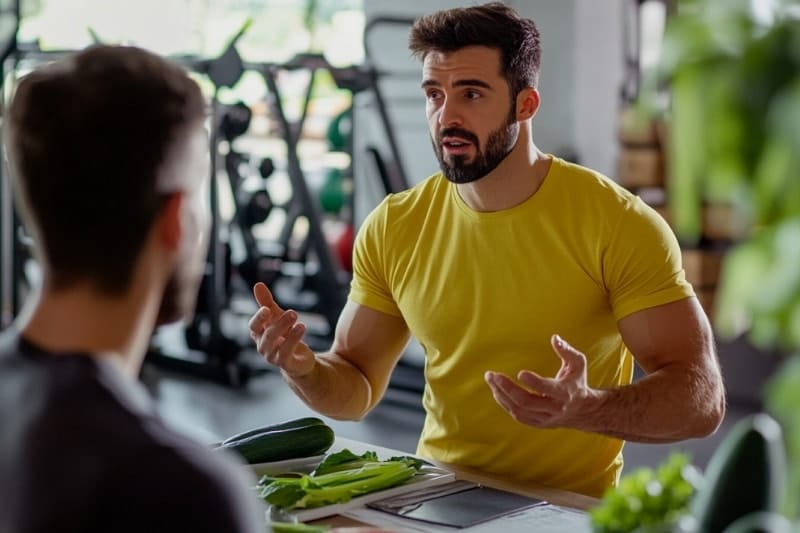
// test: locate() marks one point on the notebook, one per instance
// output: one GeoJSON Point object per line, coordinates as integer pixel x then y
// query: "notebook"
{"type": "Point", "coordinates": [459, 504]}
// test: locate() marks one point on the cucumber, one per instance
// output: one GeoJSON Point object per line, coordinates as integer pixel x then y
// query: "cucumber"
{"type": "Point", "coordinates": [289, 424]}
{"type": "Point", "coordinates": [756, 522]}
{"type": "Point", "coordinates": [283, 444]}
{"type": "Point", "coordinates": [745, 475]}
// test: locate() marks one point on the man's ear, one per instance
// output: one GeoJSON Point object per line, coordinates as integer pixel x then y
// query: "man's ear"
{"type": "Point", "coordinates": [170, 221]}
{"type": "Point", "coordinates": [527, 103]}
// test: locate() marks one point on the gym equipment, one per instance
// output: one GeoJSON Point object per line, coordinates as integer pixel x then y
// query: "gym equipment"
{"type": "Point", "coordinates": [304, 270]}
{"type": "Point", "coordinates": [332, 194]}
{"type": "Point", "coordinates": [340, 131]}
{"type": "Point", "coordinates": [12, 252]}
{"type": "Point", "coordinates": [344, 247]}
{"type": "Point", "coordinates": [325, 276]}
{"type": "Point", "coordinates": [222, 354]}
{"type": "Point", "coordinates": [235, 120]}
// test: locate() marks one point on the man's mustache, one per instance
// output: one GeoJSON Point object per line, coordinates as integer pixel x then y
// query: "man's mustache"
{"type": "Point", "coordinates": [458, 132]}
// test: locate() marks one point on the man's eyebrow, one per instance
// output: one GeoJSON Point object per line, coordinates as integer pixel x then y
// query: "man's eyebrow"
{"type": "Point", "coordinates": [471, 82]}
{"type": "Point", "coordinates": [474, 82]}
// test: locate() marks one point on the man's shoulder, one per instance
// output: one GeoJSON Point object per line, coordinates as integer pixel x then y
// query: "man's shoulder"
{"type": "Point", "coordinates": [412, 204]}
{"type": "Point", "coordinates": [423, 193]}
{"type": "Point", "coordinates": [579, 180]}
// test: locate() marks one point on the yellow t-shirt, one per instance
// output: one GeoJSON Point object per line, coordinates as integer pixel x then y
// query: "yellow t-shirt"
{"type": "Point", "coordinates": [485, 291]}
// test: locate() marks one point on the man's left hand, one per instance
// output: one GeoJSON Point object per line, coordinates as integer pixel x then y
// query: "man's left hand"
{"type": "Point", "coordinates": [562, 401]}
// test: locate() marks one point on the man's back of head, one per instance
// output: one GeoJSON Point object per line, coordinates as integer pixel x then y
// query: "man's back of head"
{"type": "Point", "coordinates": [90, 140]}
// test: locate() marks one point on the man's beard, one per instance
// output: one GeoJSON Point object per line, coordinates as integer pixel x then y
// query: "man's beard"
{"type": "Point", "coordinates": [181, 291]}
{"type": "Point", "coordinates": [498, 145]}
{"type": "Point", "coordinates": [178, 299]}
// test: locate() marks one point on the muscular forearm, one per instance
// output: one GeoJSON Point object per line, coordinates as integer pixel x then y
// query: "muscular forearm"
{"type": "Point", "coordinates": [671, 404]}
{"type": "Point", "coordinates": [335, 388]}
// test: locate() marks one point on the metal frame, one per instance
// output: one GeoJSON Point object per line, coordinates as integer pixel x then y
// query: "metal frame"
{"type": "Point", "coordinates": [9, 297]}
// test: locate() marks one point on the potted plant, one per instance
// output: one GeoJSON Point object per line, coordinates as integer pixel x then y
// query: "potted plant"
{"type": "Point", "coordinates": [731, 72]}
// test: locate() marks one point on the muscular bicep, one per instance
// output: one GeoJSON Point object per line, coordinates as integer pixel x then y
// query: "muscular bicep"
{"type": "Point", "coordinates": [372, 341]}
{"type": "Point", "coordinates": [677, 332]}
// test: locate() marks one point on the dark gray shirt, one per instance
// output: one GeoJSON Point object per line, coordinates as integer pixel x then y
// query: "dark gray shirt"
{"type": "Point", "coordinates": [81, 449]}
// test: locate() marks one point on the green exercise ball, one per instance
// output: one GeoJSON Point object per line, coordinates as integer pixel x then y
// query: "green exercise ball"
{"type": "Point", "coordinates": [339, 131]}
{"type": "Point", "coordinates": [331, 194]}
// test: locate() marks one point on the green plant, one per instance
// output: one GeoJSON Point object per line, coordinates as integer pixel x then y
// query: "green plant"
{"type": "Point", "coordinates": [648, 499]}
{"type": "Point", "coordinates": [734, 80]}
{"type": "Point", "coordinates": [732, 68]}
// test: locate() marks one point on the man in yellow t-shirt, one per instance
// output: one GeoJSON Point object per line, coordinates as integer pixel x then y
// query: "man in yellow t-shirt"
{"type": "Point", "coordinates": [532, 284]}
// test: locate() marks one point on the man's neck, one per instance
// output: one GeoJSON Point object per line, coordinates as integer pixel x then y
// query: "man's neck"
{"type": "Point", "coordinates": [514, 180]}
{"type": "Point", "coordinates": [82, 320]}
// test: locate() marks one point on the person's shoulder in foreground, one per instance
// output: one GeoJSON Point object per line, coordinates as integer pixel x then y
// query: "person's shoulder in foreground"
{"type": "Point", "coordinates": [84, 450]}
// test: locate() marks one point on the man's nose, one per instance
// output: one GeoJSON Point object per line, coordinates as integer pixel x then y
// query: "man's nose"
{"type": "Point", "coordinates": [450, 115]}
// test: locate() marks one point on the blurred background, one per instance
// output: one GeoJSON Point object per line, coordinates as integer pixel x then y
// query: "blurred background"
{"type": "Point", "coordinates": [315, 114]}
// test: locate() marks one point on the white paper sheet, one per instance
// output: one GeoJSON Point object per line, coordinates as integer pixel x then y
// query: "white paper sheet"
{"type": "Point", "coordinates": [542, 519]}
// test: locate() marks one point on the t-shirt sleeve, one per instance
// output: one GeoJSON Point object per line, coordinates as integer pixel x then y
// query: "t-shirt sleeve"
{"type": "Point", "coordinates": [642, 265]}
{"type": "Point", "coordinates": [370, 283]}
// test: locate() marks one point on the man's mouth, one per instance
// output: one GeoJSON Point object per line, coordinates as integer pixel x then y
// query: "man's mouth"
{"type": "Point", "coordinates": [455, 145]}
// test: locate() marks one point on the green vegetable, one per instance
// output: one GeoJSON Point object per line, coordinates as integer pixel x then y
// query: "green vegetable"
{"type": "Point", "coordinates": [648, 498]}
{"type": "Point", "coordinates": [283, 444]}
{"type": "Point", "coordinates": [746, 474]}
{"type": "Point", "coordinates": [316, 490]}
{"type": "Point", "coordinates": [287, 527]}
{"type": "Point", "coordinates": [289, 424]}
{"type": "Point", "coordinates": [347, 460]}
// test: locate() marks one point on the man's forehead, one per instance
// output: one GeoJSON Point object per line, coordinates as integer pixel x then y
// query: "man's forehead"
{"type": "Point", "coordinates": [478, 64]}
{"type": "Point", "coordinates": [475, 60]}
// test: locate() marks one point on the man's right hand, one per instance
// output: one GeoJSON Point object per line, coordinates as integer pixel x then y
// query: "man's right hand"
{"type": "Point", "coordinates": [278, 336]}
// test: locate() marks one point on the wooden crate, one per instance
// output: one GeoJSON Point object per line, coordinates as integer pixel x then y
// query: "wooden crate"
{"type": "Point", "coordinates": [640, 167]}
{"type": "Point", "coordinates": [722, 222]}
{"type": "Point", "coordinates": [632, 128]}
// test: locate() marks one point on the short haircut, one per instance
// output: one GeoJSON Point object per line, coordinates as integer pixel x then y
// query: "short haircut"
{"type": "Point", "coordinates": [88, 136]}
{"type": "Point", "coordinates": [494, 25]}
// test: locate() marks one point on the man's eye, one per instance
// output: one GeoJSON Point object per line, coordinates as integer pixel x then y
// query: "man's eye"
{"type": "Point", "coordinates": [472, 95]}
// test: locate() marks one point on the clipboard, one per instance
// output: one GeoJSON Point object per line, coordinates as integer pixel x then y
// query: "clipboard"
{"type": "Point", "coordinates": [459, 504]}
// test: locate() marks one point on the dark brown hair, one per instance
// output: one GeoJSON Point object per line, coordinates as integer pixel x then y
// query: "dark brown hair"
{"type": "Point", "coordinates": [494, 25]}
{"type": "Point", "coordinates": [87, 138]}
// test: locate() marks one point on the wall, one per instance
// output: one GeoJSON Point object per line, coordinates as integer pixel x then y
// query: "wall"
{"type": "Point", "coordinates": [599, 69]}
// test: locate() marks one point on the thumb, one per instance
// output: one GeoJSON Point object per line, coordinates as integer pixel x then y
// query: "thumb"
{"type": "Point", "coordinates": [264, 297]}
{"type": "Point", "coordinates": [571, 357]}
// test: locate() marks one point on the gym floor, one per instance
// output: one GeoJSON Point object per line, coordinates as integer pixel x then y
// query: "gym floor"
{"type": "Point", "coordinates": [210, 411]}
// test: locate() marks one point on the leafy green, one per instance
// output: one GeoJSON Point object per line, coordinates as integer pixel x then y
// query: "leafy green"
{"type": "Point", "coordinates": [344, 460]}
{"type": "Point", "coordinates": [647, 498]}
{"type": "Point", "coordinates": [347, 460]}
{"type": "Point", "coordinates": [344, 477]}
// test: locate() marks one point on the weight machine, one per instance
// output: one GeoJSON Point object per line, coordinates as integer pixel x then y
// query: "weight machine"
{"type": "Point", "coordinates": [312, 268]}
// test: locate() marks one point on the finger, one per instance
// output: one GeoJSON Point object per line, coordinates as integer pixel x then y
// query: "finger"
{"type": "Point", "coordinates": [572, 358]}
{"type": "Point", "coordinates": [274, 335]}
{"type": "Point", "coordinates": [258, 321]}
{"type": "Point", "coordinates": [287, 349]}
{"type": "Point", "coordinates": [264, 297]}
{"type": "Point", "coordinates": [280, 328]}
{"type": "Point", "coordinates": [534, 410]}
{"type": "Point", "coordinates": [549, 387]}
{"type": "Point", "coordinates": [515, 394]}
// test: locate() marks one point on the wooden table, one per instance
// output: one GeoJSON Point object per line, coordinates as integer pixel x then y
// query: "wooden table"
{"type": "Point", "coordinates": [554, 496]}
